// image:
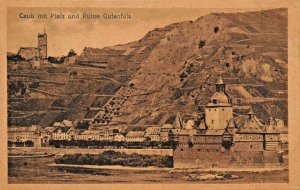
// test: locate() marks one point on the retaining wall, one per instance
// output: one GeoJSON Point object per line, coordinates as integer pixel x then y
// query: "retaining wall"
{"type": "Point", "coordinates": [193, 158]}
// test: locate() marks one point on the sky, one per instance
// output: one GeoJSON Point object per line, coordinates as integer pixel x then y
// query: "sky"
{"type": "Point", "coordinates": [65, 34]}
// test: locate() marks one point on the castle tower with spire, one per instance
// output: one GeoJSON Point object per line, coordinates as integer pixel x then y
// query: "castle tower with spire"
{"type": "Point", "coordinates": [219, 111]}
{"type": "Point", "coordinates": [42, 45]}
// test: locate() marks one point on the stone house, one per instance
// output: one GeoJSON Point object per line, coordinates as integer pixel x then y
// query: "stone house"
{"type": "Point", "coordinates": [153, 133]}
{"type": "Point", "coordinates": [135, 136]}
{"type": "Point", "coordinates": [250, 135]}
{"type": "Point", "coordinates": [23, 134]}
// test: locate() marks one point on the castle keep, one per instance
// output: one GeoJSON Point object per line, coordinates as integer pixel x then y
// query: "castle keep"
{"type": "Point", "coordinates": [35, 53]}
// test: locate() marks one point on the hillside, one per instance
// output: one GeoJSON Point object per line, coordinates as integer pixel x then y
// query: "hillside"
{"type": "Point", "coordinates": [169, 70]}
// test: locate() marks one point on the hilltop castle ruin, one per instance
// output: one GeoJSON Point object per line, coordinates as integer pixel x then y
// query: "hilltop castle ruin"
{"type": "Point", "coordinates": [35, 53]}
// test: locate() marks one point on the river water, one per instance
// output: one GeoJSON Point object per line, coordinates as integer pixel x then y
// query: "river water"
{"type": "Point", "coordinates": [36, 170]}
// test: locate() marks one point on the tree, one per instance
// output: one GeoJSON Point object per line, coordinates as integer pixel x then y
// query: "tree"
{"type": "Point", "coordinates": [29, 143]}
{"type": "Point", "coordinates": [71, 53]}
{"type": "Point", "coordinates": [10, 144]}
{"type": "Point", "coordinates": [82, 125]}
{"type": "Point", "coordinates": [15, 58]}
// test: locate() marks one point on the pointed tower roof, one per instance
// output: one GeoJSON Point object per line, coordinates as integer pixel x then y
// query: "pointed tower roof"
{"type": "Point", "coordinates": [251, 112]}
{"type": "Point", "coordinates": [178, 124]}
{"type": "Point", "coordinates": [231, 124]}
{"type": "Point", "coordinates": [220, 81]}
{"type": "Point", "coordinates": [203, 125]}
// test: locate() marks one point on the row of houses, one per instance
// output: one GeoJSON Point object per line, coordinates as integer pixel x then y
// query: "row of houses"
{"type": "Point", "coordinates": [251, 134]}
{"type": "Point", "coordinates": [66, 130]}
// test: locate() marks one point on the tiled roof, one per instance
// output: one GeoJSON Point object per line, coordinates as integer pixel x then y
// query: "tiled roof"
{"type": "Point", "coordinates": [63, 129]}
{"type": "Point", "coordinates": [231, 124]}
{"type": "Point", "coordinates": [202, 125]}
{"type": "Point", "coordinates": [152, 131]}
{"type": "Point", "coordinates": [167, 126]}
{"type": "Point", "coordinates": [178, 124]}
{"type": "Point", "coordinates": [219, 99]}
{"type": "Point", "coordinates": [90, 132]}
{"type": "Point", "coordinates": [252, 125]}
{"type": "Point", "coordinates": [190, 124]}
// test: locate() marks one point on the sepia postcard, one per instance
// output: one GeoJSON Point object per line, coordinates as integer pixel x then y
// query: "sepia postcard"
{"type": "Point", "coordinates": [150, 95]}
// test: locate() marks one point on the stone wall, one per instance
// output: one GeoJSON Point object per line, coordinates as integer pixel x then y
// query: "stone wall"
{"type": "Point", "coordinates": [186, 157]}
{"type": "Point", "coordinates": [248, 146]}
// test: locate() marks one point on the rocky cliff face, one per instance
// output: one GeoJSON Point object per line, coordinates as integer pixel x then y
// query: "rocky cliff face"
{"type": "Point", "coordinates": [173, 69]}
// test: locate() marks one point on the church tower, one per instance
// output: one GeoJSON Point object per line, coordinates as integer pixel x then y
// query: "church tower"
{"type": "Point", "coordinates": [219, 111]}
{"type": "Point", "coordinates": [42, 45]}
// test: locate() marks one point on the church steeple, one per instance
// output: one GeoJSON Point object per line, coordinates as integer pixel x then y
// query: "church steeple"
{"type": "Point", "coordinates": [220, 85]}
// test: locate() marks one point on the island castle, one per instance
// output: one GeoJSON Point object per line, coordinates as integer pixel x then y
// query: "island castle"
{"type": "Point", "coordinates": [219, 141]}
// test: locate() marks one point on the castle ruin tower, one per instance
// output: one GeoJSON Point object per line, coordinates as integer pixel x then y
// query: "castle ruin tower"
{"type": "Point", "coordinates": [42, 45]}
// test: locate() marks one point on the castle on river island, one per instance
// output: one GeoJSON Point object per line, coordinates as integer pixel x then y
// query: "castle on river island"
{"type": "Point", "coordinates": [219, 141]}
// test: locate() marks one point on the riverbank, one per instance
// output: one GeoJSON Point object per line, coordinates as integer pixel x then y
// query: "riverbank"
{"type": "Point", "coordinates": [171, 170]}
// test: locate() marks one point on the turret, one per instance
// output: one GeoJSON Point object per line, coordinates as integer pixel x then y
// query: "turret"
{"type": "Point", "coordinates": [251, 114]}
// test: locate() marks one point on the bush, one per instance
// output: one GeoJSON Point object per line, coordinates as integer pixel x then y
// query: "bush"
{"type": "Point", "coordinates": [201, 44]}
{"type": "Point", "coordinates": [216, 29]}
{"type": "Point", "coordinates": [15, 58]}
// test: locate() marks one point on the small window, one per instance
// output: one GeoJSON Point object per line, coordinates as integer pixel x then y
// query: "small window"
{"type": "Point", "coordinates": [212, 121]}
{"type": "Point", "coordinates": [250, 146]}
{"type": "Point", "coordinates": [208, 109]}
{"type": "Point", "coordinates": [215, 109]}
{"type": "Point", "coordinates": [250, 138]}
{"type": "Point", "coordinates": [223, 110]}
{"type": "Point", "coordinates": [199, 150]}
{"type": "Point", "coordinates": [181, 149]}
{"type": "Point", "coordinates": [241, 137]}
